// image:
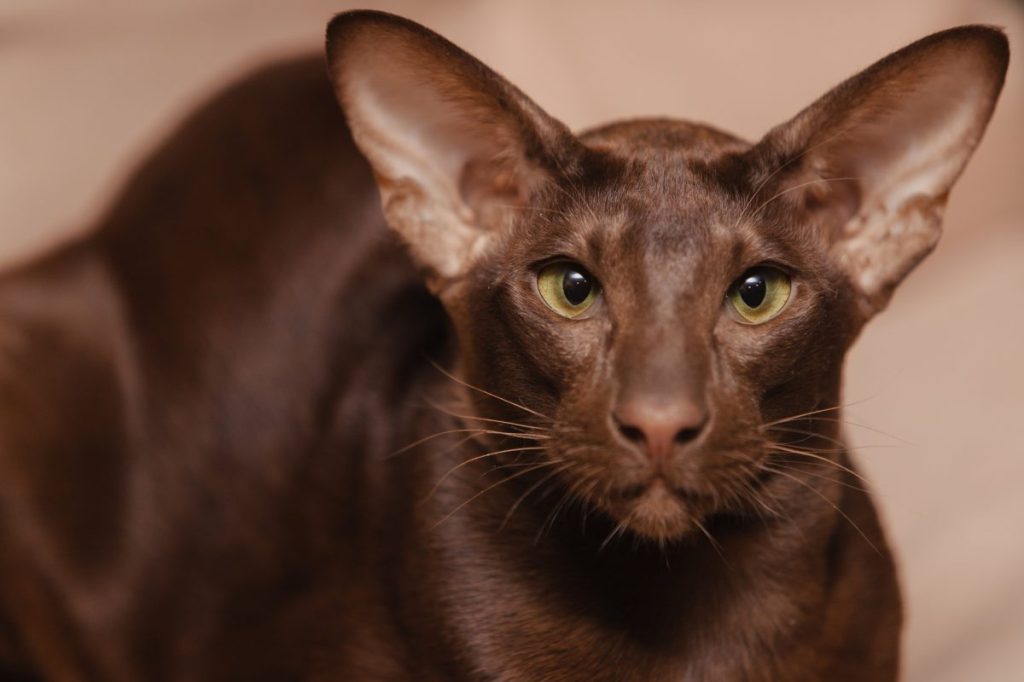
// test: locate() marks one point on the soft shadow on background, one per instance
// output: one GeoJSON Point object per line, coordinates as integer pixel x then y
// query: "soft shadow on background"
{"type": "Point", "coordinates": [937, 381]}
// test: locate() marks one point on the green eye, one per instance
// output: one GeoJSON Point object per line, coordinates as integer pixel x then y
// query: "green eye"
{"type": "Point", "coordinates": [760, 294]}
{"type": "Point", "coordinates": [567, 288]}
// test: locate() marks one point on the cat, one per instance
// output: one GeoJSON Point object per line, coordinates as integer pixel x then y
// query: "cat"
{"type": "Point", "coordinates": [427, 387]}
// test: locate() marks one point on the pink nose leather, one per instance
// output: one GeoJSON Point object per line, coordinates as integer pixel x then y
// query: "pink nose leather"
{"type": "Point", "coordinates": [659, 425]}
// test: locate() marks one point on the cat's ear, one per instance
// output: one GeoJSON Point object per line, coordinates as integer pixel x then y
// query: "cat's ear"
{"type": "Point", "coordinates": [871, 162]}
{"type": "Point", "coordinates": [454, 147]}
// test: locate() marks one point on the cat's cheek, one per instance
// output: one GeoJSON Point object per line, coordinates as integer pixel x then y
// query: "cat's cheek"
{"type": "Point", "coordinates": [572, 354]}
{"type": "Point", "coordinates": [522, 348]}
{"type": "Point", "coordinates": [761, 356]}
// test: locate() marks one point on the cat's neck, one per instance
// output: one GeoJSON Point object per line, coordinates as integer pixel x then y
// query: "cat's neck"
{"type": "Point", "coordinates": [546, 560]}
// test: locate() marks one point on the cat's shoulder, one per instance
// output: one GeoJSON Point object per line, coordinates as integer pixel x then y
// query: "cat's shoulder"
{"type": "Point", "coordinates": [62, 402]}
{"type": "Point", "coordinates": [267, 150]}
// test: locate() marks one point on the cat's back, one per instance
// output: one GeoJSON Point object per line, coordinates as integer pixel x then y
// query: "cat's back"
{"type": "Point", "coordinates": [231, 243]}
{"type": "Point", "coordinates": [246, 185]}
{"type": "Point", "coordinates": [260, 180]}
{"type": "Point", "coordinates": [170, 382]}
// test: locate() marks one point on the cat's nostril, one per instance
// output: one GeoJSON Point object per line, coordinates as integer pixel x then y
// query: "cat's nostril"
{"type": "Point", "coordinates": [688, 434]}
{"type": "Point", "coordinates": [659, 427]}
{"type": "Point", "coordinates": [631, 433]}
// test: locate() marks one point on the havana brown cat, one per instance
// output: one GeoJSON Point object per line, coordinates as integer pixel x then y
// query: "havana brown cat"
{"type": "Point", "coordinates": [580, 422]}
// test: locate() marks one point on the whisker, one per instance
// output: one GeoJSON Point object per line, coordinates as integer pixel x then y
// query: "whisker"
{"type": "Point", "coordinates": [584, 493]}
{"type": "Point", "coordinates": [468, 417]}
{"type": "Point", "coordinates": [845, 448]}
{"type": "Point", "coordinates": [538, 209]}
{"type": "Point", "coordinates": [757, 189]}
{"type": "Point", "coordinates": [801, 186]}
{"type": "Point", "coordinates": [804, 453]}
{"type": "Point", "coordinates": [470, 386]}
{"type": "Point", "coordinates": [477, 458]}
{"type": "Point", "coordinates": [514, 465]}
{"type": "Point", "coordinates": [782, 513]}
{"type": "Point", "coordinates": [538, 484]}
{"type": "Point", "coordinates": [577, 491]}
{"type": "Point", "coordinates": [475, 432]}
{"type": "Point", "coordinates": [619, 528]}
{"type": "Point", "coordinates": [833, 505]}
{"type": "Point", "coordinates": [778, 466]}
{"type": "Point", "coordinates": [577, 199]}
{"type": "Point", "coordinates": [861, 426]}
{"type": "Point", "coordinates": [755, 495]}
{"type": "Point", "coordinates": [549, 522]}
{"type": "Point", "coordinates": [488, 489]}
{"type": "Point", "coordinates": [837, 441]}
{"type": "Point", "coordinates": [810, 435]}
{"type": "Point", "coordinates": [802, 415]}
{"type": "Point", "coordinates": [833, 451]}
{"type": "Point", "coordinates": [714, 543]}
{"type": "Point", "coordinates": [574, 493]}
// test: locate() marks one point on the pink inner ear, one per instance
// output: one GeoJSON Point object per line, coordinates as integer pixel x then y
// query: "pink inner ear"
{"type": "Point", "coordinates": [490, 187]}
{"type": "Point", "coordinates": [423, 112]}
{"type": "Point", "coordinates": [404, 124]}
{"type": "Point", "coordinates": [446, 137]}
{"type": "Point", "coordinates": [911, 132]}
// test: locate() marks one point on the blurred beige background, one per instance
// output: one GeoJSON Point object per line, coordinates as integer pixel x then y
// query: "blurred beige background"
{"type": "Point", "coordinates": [87, 87]}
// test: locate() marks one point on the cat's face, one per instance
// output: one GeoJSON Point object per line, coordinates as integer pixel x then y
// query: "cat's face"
{"type": "Point", "coordinates": [660, 320]}
{"type": "Point", "coordinates": [652, 302]}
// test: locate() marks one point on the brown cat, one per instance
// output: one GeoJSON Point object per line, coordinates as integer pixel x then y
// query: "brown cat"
{"type": "Point", "coordinates": [241, 440]}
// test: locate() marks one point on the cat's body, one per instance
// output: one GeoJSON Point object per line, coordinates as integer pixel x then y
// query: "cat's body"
{"type": "Point", "coordinates": [192, 447]}
{"type": "Point", "coordinates": [256, 404]}
{"type": "Point", "coordinates": [204, 410]}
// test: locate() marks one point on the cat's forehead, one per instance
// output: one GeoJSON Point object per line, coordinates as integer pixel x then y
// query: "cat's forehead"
{"type": "Point", "coordinates": [663, 139]}
{"type": "Point", "coordinates": [663, 173]}
{"type": "Point", "coordinates": [660, 189]}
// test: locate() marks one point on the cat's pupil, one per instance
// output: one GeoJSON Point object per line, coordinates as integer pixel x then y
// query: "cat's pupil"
{"type": "Point", "coordinates": [576, 286]}
{"type": "Point", "coordinates": [753, 289]}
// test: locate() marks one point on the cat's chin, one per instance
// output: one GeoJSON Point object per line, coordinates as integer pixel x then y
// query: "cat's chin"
{"type": "Point", "coordinates": [657, 513]}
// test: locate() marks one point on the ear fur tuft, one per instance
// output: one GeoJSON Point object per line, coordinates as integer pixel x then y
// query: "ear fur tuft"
{"type": "Point", "coordinates": [877, 156]}
{"type": "Point", "coordinates": [455, 148]}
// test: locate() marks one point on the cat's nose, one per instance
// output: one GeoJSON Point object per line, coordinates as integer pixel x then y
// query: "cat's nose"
{"type": "Point", "coordinates": [659, 426]}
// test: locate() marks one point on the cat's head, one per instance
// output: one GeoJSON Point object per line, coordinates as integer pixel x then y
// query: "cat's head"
{"type": "Point", "coordinates": [651, 299]}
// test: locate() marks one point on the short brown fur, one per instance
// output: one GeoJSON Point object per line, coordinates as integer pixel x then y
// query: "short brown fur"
{"type": "Point", "coordinates": [243, 435]}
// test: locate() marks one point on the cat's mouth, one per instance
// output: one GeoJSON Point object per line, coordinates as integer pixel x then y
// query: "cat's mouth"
{"type": "Point", "coordinates": [658, 509]}
{"type": "Point", "coordinates": [657, 485]}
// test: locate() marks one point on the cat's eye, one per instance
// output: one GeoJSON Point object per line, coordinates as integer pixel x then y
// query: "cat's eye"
{"type": "Point", "coordinates": [567, 288]}
{"type": "Point", "coordinates": [760, 294]}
